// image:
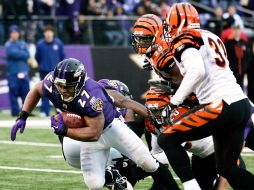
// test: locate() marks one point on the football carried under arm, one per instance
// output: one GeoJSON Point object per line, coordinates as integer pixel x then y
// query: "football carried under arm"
{"type": "Point", "coordinates": [78, 128]}
{"type": "Point", "coordinates": [125, 102]}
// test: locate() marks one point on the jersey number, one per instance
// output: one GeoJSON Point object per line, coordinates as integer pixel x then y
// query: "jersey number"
{"type": "Point", "coordinates": [83, 102]}
{"type": "Point", "coordinates": [218, 46]}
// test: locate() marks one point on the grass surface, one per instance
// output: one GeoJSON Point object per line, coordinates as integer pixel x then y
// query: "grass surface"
{"type": "Point", "coordinates": [24, 156]}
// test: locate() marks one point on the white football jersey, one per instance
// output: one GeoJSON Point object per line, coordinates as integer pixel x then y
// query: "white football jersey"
{"type": "Point", "coordinates": [216, 80]}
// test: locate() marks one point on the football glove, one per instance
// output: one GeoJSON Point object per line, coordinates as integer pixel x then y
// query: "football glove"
{"type": "Point", "coordinates": [20, 124]}
{"type": "Point", "coordinates": [58, 125]}
{"type": "Point", "coordinates": [147, 65]}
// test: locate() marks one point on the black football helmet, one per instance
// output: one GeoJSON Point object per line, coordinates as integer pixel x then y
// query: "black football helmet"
{"type": "Point", "coordinates": [69, 77]}
{"type": "Point", "coordinates": [123, 88]}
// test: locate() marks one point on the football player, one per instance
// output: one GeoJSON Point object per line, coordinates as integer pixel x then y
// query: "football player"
{"type": "Point", "coordinates": [113, 88]}
{"type": "Point", "coordinates": [69, 89]}
{"type": "Point", "coordinates": [148, 32]}
{"type": "Point", "coordinates": [224, 111]}
{"type": "Point", "coordinates": [118, 165]}
{"type": "Point", "coordinates": [203, 150]}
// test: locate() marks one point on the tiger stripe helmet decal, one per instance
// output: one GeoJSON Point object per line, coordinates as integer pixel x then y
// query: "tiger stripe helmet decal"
{"type": "Point", "coordinates": [147, 32]}
{"type": "Point", "coordinates": [181, 16]}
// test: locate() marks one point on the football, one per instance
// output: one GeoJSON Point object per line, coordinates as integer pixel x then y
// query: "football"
{"type": "Point", "coordinates": [72, 120]}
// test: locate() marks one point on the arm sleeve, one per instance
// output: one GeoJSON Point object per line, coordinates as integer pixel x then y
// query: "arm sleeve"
{"type": "Point", "coordinates": [195, 71]}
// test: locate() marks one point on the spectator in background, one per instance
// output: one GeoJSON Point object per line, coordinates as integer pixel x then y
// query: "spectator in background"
{"type": "Point", "coordinates": [17, 56]}
{"type": "Point", "coordinates": [238, 52]}
{"type": "Point", "coordinates": [71, 9]}
{"type": "Point", "coordinates": [215, 24]}
{"type": "Point", "coordinates": [227, 32]}
{"type": "Point", "coordinates": [232, 12]}
{"type": "Point", "coordinates": [49, 51]}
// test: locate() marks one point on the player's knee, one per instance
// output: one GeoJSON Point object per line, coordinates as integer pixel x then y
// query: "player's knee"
{"type": "Point", "coordinates": [93, 182]}
{"type": "Point", "coordinates": [73, 162]}
{"type": "Point", "coordinates": [147, 163]}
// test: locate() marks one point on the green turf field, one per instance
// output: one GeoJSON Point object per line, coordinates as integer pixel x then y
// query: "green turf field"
{"type": "Point", "coordinates": [49, 169]}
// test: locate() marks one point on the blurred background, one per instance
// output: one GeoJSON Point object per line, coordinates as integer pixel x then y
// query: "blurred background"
{"type": "Point", "coordinates": [98, 32]}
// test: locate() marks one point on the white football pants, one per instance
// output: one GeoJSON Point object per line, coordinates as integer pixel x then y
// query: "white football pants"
{"type": "Point", "coordinates": [94, 155]}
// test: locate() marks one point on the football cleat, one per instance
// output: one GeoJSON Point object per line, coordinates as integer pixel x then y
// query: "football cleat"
{"type": "Point", "coordinates": [115, 181]}
{"type": "Point", "coordinates": [122, 183]}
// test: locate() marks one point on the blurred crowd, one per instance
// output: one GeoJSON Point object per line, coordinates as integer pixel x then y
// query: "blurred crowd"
{"type": "Point", "coordinates": [34, 32]}
{"type": "Point", "coordinates": [69, 17]}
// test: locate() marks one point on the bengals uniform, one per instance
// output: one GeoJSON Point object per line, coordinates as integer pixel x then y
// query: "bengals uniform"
{"type": "Point", "coordinates": [224, 111]}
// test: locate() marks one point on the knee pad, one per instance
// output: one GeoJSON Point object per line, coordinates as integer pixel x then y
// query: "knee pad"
{"type": "Point", "coordinates": [147, 163]}
{"type": "Point", "coordinates": [94, 182]}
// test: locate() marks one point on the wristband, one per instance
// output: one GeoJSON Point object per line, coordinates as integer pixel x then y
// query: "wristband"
{"type": "Point", "coordinates": [23, 115]}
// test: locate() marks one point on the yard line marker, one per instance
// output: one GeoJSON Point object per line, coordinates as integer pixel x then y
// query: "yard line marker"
{"type": "Point", "coordinates": [40, 170]}
{"type": "Point", "coordinates": [30, 143]}
{"type": "Point", "coordinates": [46, 170]}
{"type": "Point", "coordinates": [37, 124]}
{"type": "Point", "coordinates": [56, 156]}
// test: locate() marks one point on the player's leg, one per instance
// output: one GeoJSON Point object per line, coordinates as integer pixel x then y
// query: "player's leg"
{"type": "Point", "coordinates": [93, 159]}
{"type": "Point", "coordinates": [228, 142]}
{"type": "Point", "coordinates": [204, 170]}
{"type": "Point", "coordinates": [71, 152]}
{"type": "Point", "coordinates": [198, 123]}
{"type": "Point", "coordinates": [129, 144]}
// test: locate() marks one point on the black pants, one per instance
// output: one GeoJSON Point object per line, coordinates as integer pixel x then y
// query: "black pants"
{"type": "Point", "coordinates": [204, 170]}
{"type": "Point", "coordinates": [227, 127]}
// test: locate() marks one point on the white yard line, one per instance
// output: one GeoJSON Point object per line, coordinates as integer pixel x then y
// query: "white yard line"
{"type": "Point", "coordinates": [56, 156]}
{"type": "Point", "coordinates": [37, 124]}
{"type": "Point", "coordinates": [47, 170]}
{"type": "Point", "coordinates": [40, 170]}
{"type": "Point", "coordinates": [30, 143]}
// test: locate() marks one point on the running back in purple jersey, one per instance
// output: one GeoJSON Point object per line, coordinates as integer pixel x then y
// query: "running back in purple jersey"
{"type": "Point", "coordinates": [114, 85]}
{"type": "Point", "coordinates": [92, 100]}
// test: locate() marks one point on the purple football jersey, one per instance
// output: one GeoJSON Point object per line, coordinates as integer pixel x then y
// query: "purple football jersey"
{"type": "Point", "coordinates": [113, 85]}
{"type": "Point", "coordinates": [92, 100]}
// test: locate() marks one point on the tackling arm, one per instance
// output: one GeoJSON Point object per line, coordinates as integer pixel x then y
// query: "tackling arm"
{"type": "Point", "coordinates": [124, 102]}
{"type": "Point", "coordinates": [92, 131]}
{"type": "Point", "coordinates": [195, 72]}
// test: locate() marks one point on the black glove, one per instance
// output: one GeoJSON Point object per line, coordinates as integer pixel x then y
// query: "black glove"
{"type": "Point", "coordinates": [147, 65]}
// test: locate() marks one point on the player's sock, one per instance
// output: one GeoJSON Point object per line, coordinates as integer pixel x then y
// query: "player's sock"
{"type": "Point", "coordinates": [163, 175]}
{"type": "Point", "coordinates": [191, 185]}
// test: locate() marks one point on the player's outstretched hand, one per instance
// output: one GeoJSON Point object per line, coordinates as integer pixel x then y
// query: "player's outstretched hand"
{"type": "Point", "coordinates": [20, 124]}
{"type": "Point", "coordinates": [57, 124]}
